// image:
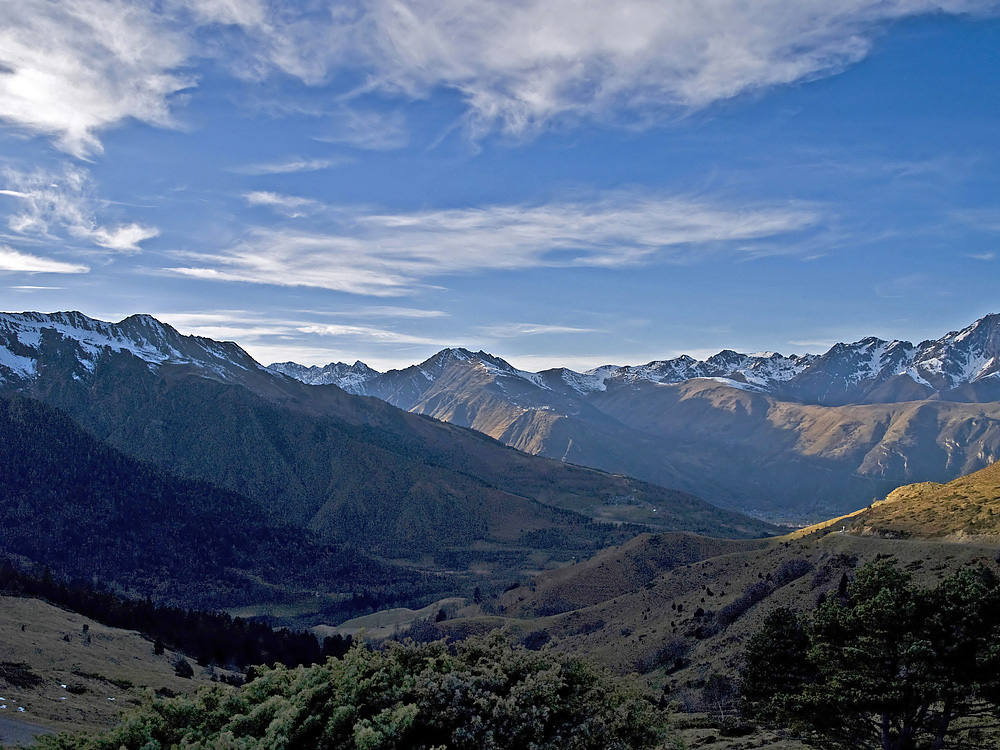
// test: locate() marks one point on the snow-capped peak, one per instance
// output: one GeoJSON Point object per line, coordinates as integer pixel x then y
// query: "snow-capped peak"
{"type": "Point", "coordinates": [22, 337]}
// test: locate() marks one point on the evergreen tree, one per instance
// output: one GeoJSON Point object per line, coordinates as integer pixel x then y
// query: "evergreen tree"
{"type": "Point", "coordinates": [890, 666]}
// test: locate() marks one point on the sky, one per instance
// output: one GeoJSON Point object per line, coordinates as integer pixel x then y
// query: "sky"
{"type": "Point", "coordinates": [557, 182]}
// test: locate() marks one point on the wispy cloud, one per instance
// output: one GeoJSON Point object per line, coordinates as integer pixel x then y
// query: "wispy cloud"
{"type": "Point", "coordinates": [71, 69]}
{"type": "Point", "coordinates": [391, 254]}
{"type": "Point", "coordinates": [376, 131]}
{"type": "Point", "coordinates": [514, 330]}
{"type": "Point", "coordinates": [983, 219]}
{"type": "Point", "coordinates": [253, 327]}
{"type": "Point", "coordinates": [519, 66]}
{"type": "Point", "coordinates": [913, 286]}
{"type": "Point", "coordinates": [12, 260]}
{"type": "Point", "coordinates": [814, 345]}
{"type": "Point", "coordinates": [391, 311]}
{"type": "Point", "coordinates": [982, 256]}
{"type": "Point", "coordinates": [290, 205]}
{"type": "Point", "coordinates": [369, 334]}
{"type": "Point", "coordinates": [242, 326]}
{"type": "Point", "coordinates": [289, 166]}
{"type": "Point", "coordinates": [53, 203]}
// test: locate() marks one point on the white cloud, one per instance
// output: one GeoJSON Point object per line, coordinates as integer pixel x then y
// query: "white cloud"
{"type": "Point", "coordinates": [520, 65]}
{"type": "Point", "coordinates": [369, 334]}
{"type": "Point", "coordinates": [391, 311]}
{"type": "Point", "coordinates": [12, 260]}
{"type": "Point", "coordinates": [374, 131]}
{"type": "Point", "coordinates": [72, 68]}
{"type": "Point", "coordinates": [514, 330]}
{"type": "Point", "coordinates": [390, 254]}
{"type": "Point", "coordinates": [289, 166]}
{"type": "Point", "coordinates": [248, 325]}
{"type": "Point", "coordinates": [55, 202]}
{"type": "Point", "coordinates": [982, 219]}
{"type": "Point", "coordinates": [290, 205]}
{"type": "Point", "coordinates": [230, 325]}
{"type": "Point", "coordinates": [124, 238]}
{"type": "Point", "coordinates": [814, 345]}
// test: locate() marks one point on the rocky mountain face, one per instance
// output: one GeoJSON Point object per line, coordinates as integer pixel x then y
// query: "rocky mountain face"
{"type": "Point", "coordinates": [351, 470]}
{"type": "Point", "coordinates": [796, 437]}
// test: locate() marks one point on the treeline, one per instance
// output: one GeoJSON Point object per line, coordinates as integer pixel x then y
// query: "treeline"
{"type": "Point", "coordinates": [208, 637]}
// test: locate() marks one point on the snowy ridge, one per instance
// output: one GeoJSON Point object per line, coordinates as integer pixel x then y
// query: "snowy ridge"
{"type": "Point", "coordinates": [747, 371]}
{"type": "Point", "coordinates": [591, 381]}
{"type": "Point", "coordinates": [965, 356]}
{"type": "Point", "coordinates": [23, 338]}
{"type": "Point", "coordinates": [846, 373]}
{"type": "Point", "coordinates": [351, 378]}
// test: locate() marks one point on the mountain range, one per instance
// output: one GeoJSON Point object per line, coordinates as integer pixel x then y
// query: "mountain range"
{"type": "Point", "coordinates": [789, 437]}
{"type": "Point", "coordinates": [348, 470]}
{"type": "Point", "coordinates": [960, 366]}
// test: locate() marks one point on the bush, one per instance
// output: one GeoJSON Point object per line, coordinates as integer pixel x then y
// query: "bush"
{"type": "Point", "coordinates": [19, 675]}
{"type": "Point", "coordinates": [480, 694]}
{"type": "Point", "coordinates": [733, 611]}
{"type": "Point", "coordinates": [183, 668]}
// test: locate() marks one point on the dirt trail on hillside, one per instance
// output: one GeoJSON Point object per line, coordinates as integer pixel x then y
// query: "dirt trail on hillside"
{"type": "Point", "coordinates": [14, 732]}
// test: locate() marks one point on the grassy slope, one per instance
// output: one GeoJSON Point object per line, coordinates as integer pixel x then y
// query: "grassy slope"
{"type": "Point", "coordinates": [618, 570]}
{"type": "Point", "coordinates": [54, 646]}
{"type": "Point", "coordinates": [966, 507]}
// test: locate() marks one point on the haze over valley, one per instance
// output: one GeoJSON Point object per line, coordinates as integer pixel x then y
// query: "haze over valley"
{"type": "Point", "coordinates": [796, 438]}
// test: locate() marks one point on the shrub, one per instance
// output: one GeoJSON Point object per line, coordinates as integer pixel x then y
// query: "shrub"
{"type": "Point", "coordinates": [480, 694]}
{"type": "Point", "coordinates": [183, 668]}
{"type": "Point", "coordinates": [733, 611]}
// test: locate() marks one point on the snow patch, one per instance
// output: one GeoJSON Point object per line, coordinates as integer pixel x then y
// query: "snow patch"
{"type": "Point", "coordinates": [23, 367]}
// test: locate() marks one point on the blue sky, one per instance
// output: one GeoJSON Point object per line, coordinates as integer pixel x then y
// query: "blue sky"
{"type": "Point", "coordinates": [559, 183]}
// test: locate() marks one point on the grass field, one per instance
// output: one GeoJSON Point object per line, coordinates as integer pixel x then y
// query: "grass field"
{"type": "Point", "coordinates": [104, 670]}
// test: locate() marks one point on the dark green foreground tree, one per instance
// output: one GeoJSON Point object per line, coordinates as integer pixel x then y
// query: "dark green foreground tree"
{"type": "Point", "coordinates": [888, 666]}
{"type": "Point", "coordinates": [482, 694]}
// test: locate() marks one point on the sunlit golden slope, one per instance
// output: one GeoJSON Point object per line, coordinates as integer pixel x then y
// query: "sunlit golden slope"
{"type": "Point", "coordinates": [968, 506]}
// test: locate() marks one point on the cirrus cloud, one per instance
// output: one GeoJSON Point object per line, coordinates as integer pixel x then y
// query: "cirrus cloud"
{"type": "Point", "coordinates": [14, 261]}
{"type": "Point", "coordinates": [56, 202]}
{"type": "Point", "coordinates": [383, 254]}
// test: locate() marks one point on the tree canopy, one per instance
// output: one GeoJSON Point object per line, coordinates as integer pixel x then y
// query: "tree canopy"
{"type": "Point", "coordinates": [481, 694]}
{"type": "Point", "coordinates": [887, 665]}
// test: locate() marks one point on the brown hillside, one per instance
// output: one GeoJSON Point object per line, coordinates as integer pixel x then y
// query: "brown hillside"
{"type": "Point", "coordinates": [105, 670]}
{"type": "Point", "coordinates": [618, 570]}
{"type": "Point", "coordinates": [966, 507]}
{"type": "Point", "coordinates": [746, 450]}
{"type": "Point", "coordinates": [692, 621]}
